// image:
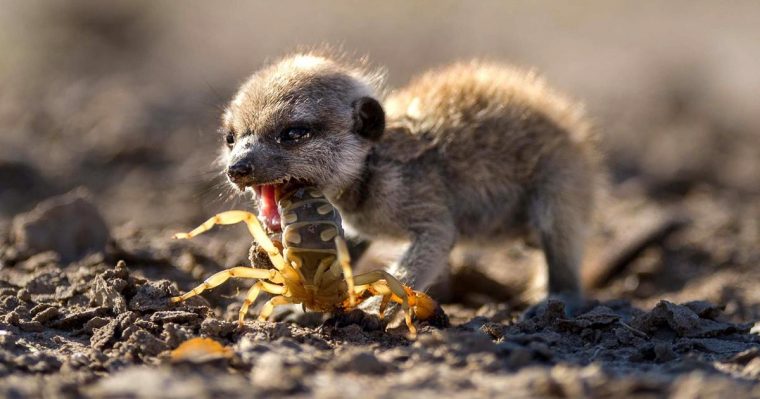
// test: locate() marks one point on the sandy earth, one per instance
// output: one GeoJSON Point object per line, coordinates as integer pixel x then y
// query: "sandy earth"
{"type": "Point", "coordinates": [107, 120]}
{"type": "Point", "coordinates": [102, 326]}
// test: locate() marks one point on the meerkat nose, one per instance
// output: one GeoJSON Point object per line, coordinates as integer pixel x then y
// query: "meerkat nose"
{"type": "Point", "coordinates": [239, 170]}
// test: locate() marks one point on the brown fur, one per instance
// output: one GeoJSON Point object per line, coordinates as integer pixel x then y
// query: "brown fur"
{"type": "Point", "coordinates": [475, 151]}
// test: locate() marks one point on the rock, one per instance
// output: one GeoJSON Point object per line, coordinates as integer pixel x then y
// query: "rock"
{"type": "Point", "coordinates": [664, 352]}
{"type": "Point", "coordinates": [750, 358]}
{"type": "Point", "coordinates": [44, 282]}
{"type": "Point", "coordinates": [95, 322]}
{"type": "Point", "coordinates": [600, 315]}
{"type": "Point", "coordinates": [78, 318]}
{"type": "Point", "coordinates": [8, 302]}
{"type": "Point", "coordinates": [714, 345]}
{"type": "Point", "coordinates": [684, 321]}
{"type": "Point", "coordinates": [31, 326]}
{"type": "Point", "coordinates": [107, 294]}
{"type": "Point", "coordinates": [20, 186]}
{"type": "Point", "coordinates": [146, 343]}
{"type": "Point", "coordinates": [149, 382]}
{"type": "Point", "coordinates": [40, 362]}
{"type": "Point", "coordinates": [466, 342]}
{"type": "Point", "coordinates": [704, 309]}
{"type": "Point", "coordinates": [367, 322]}
{"type": "Point", "coordinates": [24, 295]}
{"type": "Point", "coordinates": [126, 319]}
{"type": "Point", "coordinates": [699, 384]}
{"type": "Point", "coordinates": [151, 296]}
{"type": "Point", "coordinates": [103, 336]}
{"type": "Point", "coordinates": [46, 315]}
{"type": "Point", "coordinates": [174, 334]}
{"type": "Point", "coordinates": [41, 261]}
{"type": "Point", "coordinates": [360, 362]}
{"type": "Point", "coordinates": [12, 318]}
{"type": "Point", "coordinates": [174, 316]}
{"type": "Point", "coordinates": [273, 373]}
{"type": "Point", "coordinates": [69, 225]}
{"type": "Point", "coordinates": [217, 328]}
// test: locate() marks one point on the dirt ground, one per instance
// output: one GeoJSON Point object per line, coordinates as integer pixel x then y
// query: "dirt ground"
{"type": "Point", "coordinates": [99, 325]}
{"type": "Point", "coordinates": [107, 146]}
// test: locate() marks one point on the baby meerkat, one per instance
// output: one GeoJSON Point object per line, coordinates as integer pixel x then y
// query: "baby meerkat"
{"type": "Point", "coordinates": [472, 152]}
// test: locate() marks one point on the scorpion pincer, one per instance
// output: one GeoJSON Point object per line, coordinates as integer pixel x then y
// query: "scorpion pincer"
{"type": "Point", "coordinates": [313, 268]}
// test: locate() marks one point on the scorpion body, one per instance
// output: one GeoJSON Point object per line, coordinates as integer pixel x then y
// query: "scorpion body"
{"type": "Point", "coordinates": [310, 226]}
{"type": "Point", "coordinates": [313, 268]}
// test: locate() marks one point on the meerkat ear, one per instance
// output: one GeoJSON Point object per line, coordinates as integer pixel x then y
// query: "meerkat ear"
{"type": "Point", "coordinates": [369, 118]}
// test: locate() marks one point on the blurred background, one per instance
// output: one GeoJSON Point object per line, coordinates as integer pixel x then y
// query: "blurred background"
{"type": "Point", "coordinates": [123, 98]}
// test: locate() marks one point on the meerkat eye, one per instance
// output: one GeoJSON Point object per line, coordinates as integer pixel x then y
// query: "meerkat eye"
{"type": "Point", "coordinates": [229, 138]}
{"type": "Point", "coordinates": [293, 135]}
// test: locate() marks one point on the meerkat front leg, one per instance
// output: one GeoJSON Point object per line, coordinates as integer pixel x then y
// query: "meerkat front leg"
{"type": "Point", "coordinates": [427, 257]}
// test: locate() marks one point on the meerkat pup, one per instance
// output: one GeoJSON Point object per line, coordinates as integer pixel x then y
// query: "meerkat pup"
{"type": "Point", "coordinates": [472, 152]}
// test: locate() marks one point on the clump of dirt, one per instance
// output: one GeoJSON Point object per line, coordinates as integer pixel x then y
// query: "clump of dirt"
{"type": "Point", "coordinates": [97, 326]}
{"type": "Point", "coordinates": [69, 225]}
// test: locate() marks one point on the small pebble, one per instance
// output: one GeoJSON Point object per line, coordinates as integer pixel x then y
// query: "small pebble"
{"type": "Point", "coordinates": [24, 295]}
{"type": "Point", "coordinates": [47, 315]}
{"type": "Point", "coordinates": [31, 326]}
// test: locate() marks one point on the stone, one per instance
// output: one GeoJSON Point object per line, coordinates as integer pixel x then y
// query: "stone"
{"type": "Point", "coordinates": [69, 225]}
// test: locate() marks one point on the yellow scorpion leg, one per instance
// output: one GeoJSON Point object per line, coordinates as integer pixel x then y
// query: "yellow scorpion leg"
{"type": "Point", "coordinates": [233, 217]}
{"type": "Point", "coordinates": [345, 263]}
{"type": "Point", "coordinates": [396, 288]}
{"type": "Point", "coordinates": [253, 293]}
{"type": "Point", "coordinates": [224, 275]}
{"type": "Point", "coordinates": [387, 295]}
{"type": "Point", "coordinates": [266, 311]}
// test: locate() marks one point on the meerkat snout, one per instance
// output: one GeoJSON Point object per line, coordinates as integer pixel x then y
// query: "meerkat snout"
{"type": "Point", "coordinates": [238, 173]}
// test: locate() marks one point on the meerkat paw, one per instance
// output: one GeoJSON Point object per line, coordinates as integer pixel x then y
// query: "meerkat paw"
{"type": "Point", "coordinates": [560, 305]}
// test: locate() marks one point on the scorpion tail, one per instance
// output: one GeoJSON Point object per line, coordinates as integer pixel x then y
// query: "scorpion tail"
{"type": "Point", "coordinates": [427, 309]}
{"type": "Point", "coordinates": [424, 306]}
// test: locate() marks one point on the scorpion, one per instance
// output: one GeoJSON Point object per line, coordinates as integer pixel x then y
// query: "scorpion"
{"type": "Point", "coordinates": [313, 269]}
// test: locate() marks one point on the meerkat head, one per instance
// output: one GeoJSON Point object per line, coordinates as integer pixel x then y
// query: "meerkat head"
{"type": "Point", "coordinates": [304, 120]}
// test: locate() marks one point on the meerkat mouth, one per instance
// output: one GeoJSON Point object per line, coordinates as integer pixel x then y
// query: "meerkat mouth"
{"type": "Point", "coordinates": [267, 196]}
